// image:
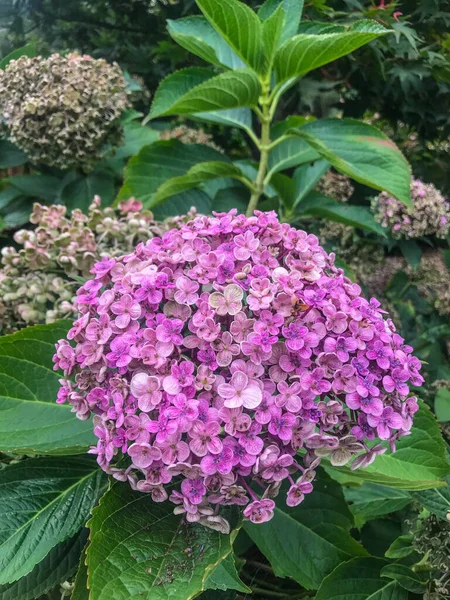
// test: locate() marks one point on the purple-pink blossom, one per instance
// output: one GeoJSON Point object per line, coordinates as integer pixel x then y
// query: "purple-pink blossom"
{"type": "Point", "coordinates": [210, 356]}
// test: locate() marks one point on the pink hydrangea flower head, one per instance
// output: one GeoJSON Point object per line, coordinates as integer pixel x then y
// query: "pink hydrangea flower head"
{"type": "Point", "coordinates": [211, 355]}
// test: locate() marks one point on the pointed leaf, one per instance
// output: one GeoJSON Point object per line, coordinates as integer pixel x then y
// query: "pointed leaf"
{"type": "Point", "coordinates": [401, 547]}
{"type": "Point", "coordinates": [29, 50]}
{"type": "Point", "coordinates": [306, 52]}
{"type": "Point", "coordinates": [370, 500]}
{"type": "Point", "coordinates": [140, 549]}
{"type": "Point", "coordinates": [159, 162]}
{"type": "Point", "coordinates": [43, 501]}
{"type": "Point", "coordinates": [292, 15]}
{"type": "Point", "coordinates": [316, 28]}
{"type": "Point", "coordinates": [30, 419]}
{"type": "Point", "coordinates": [182, 203]}
{"type": "Point", "coordinates": [307, 542]}
{"type": "Point", "coordinates": [179, 94]}
{"type": "Point", "coordinates": [360, 579]}
{"type": "Point", "coordinates": [290, 153]}
{"type": "Point", "coordinates": [272, 30]}
{"type": "Point", "coordinates": [59, 564]}
{"type": "Point", "coordinates": [10, 155]}
{"type": "Point", "coordinates": [196, 175]}
{"type": "Point", "coordinates": [199, 37]}
{"type": "Point", "coordinates": [225, 577]}
{"type": "Point", "coordinates": [405, 577]}
{"type": "Point", "coordinates": [239, 26]}
{"type": "Point", "coordinates": [436, 501]}
{"type": "Point", "coordinates": [306, 178]}
{"type": "Point", "coordinates": [361, 152]}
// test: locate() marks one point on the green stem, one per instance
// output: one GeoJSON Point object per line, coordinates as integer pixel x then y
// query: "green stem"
{"type": "Point", "coordinates": [264, 147]}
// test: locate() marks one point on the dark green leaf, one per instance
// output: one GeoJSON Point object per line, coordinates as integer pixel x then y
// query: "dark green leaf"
{"type": "Point", "coordinates": [8, 195]}
{"type": "Point", "coordinates": [196, 175]}
{"type": "Point", "coordinates": [418, 464]}
{"type": "Point", "coordinates": [361, 152]}
{"type": "Point", "coordinates": [195, 90]}
{"type": "Point", "coordinates": [231, 197]}
{"type": "Point", "coordinates": [239, 26]}
{"type": "Point", "coordinates": [442, 405]}
{"type": "Point", "coordinates": [28, 50]}
{"type": "Point", "coordinates": [44, 187]}
{"type": "Point", "coordinates": [136, 137]}
{"type": "Point", "coordinates": [307, 542]}
{"type": "Point", "coordinates": [411, 251]}
{"type": "Point", "coordinates": [290, 153]}
{"type": "Point", "coordinates": [401, 547]}
{"type": "Point", "coordinates": [225, 577]}
{"type": "Point", "coordinates": [285, 189]}
{"type": "Point", "coordinates": [80, 589]}
{"type": "Point", "coordinates": [436, 501]}
{"type": "Point", "coordinates": [305, 52]}
{"type": "Point", "coordinates": [43, 501]}
{"type": "Point", "coordinates": [405, 577]}
{"type": "Point", "coordinates": [370, 500]}
{"type": "Point", "coordinates": [234, 117]}
{"type": "Point", "coordinates": [306, 177]}
{"type": "Point", "coordinates": [360, 579]}
{"type": "Point", "coordinates": [30, 419]}
{"type": "Point", "coordinates": [159, 162]}
{"type": "Point", "coordinates": [10, 155]}
{"type": "Point", "coordinates": [59, 564]}
{"type": "Point", "coordinates": [182, 203]}
{"type": "Point", "coordinates": [140, 549]}
{"type": "Point", "coordinates": [80, 191]}
{"type": "Point", "coordinates": [316, 28]}
{"type": "Point", "coordinates": [199, 37]}
{"type": "Point", "coordinates": [292, 15]}
{"type": "Point", "coordinates": [318, 205]}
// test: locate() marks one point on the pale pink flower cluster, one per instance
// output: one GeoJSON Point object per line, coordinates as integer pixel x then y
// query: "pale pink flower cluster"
{"type": "Point", "coordinates": [228, 356]}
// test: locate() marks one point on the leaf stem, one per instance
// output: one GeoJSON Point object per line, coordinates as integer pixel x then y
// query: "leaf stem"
{"type": "Point", "coordinates": [264, 146]}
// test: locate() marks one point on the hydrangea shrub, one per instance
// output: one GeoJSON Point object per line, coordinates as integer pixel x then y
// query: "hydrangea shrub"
{"type": "Point", "coordinates": [228, 356]}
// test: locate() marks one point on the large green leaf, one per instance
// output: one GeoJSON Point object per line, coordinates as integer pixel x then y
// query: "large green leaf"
{"type": "Point", "coordinates": [371, 500]}
{"type": "Point", "coordinates": [10, 155]}
{"type": "Point", "coordinates": [30, 419]}
{"type": "Point", "coordinates": [140, 550]}
{"type": "Point", "coordinates": [29, 50]}
{"type": "Point", "coordinates": [360, 579]}
{"type": "Point", "coordinates": [195, 90]}
{"type": "Point", "coordinates": [59, 564]}
{"type": "Point", "coordinates": [305, 52]}
{"type": "Point", "coordinates": [196, 175]}
{"type": "Point", "coordinates": [199, 37]}
{"type": "Point", "coordinates": [182, 203]}
{"type": "Point", "coordinates": [239, 26]}
{"type": "Point", "coordinates": [436, 501]}
{"type": "Point", "coordinates": [43, 501]}
{"type": "Point", "coordinates": [159, 162]}
{"type": "Point", "coordinates": [80, 589]}
{"type": "Point", "coordinates": [307, 542]}
{"type": "Point", "coordinates": [405, 577]}
{"type": "Point", "coordinates": [136, 136]}
{"type": "Point", "coordinates": [361, 152]}
{"type": "Point", "coordinates": [43, 187]}
{"type": "Point", "coordinates": [318, 205]}
{"type": "Point", "coordinates": [292, 14]}
{"type": "Point", "coordinates": [418, 464]}
{"type": "Point", "coordinates": [272, 29]}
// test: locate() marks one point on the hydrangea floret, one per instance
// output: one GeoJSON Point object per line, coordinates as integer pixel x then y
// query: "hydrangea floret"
{"type": "Point", "coordinates": [429, 214]}
{"type": "Point", "coordinates": [229, 356]}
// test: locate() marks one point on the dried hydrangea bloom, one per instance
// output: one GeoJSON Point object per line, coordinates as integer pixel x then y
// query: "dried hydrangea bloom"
{"type": "Point", "coordinates": [63, 111]}
{"type": "Point", "coordinates": [211, 356]}
{"type": "Point", "coordinates": [38, 280]}
{"type": "Point", "coordinates": [336, 186]}
{"type": "Point", "coordinates": [429, 215]}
